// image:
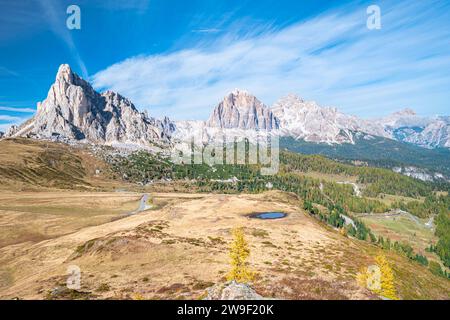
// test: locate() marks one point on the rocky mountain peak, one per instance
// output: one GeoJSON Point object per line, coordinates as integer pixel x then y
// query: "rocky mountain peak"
{"type": "Point", "coordinates": [290, 98]}
{"type": "Point", "coordinates": [242, 110]}
{"type": "Point", "coordinates": [403, 119]}
{"type": "Point", "coordinates": [405, 112]}
{"type": "Point", "coordinates": [74, 110]}
{"type": "Point", "coordinates": [291, 101]}
{"type": "Point", "coordinates": [241, 99]}
{"type": "Point", "coordinates": [65, 74]}
{"type": "Point", "coordinates": [309, 121]}
{"type": "Point", "coordinates": [66, 78]}
{"type": "Point", "coordinates": [238, 92]}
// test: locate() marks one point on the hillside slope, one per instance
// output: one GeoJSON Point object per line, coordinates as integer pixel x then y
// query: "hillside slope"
{"type": "Point", "coordinates": [377, 151]}
{"type": "Point", "coordinates": [35, 164]}
{"type": "Point", "coordinates": [178, 250]}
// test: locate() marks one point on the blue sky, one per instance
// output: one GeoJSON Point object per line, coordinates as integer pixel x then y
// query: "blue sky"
{"type": "Point", "coordinates": [179, 58]}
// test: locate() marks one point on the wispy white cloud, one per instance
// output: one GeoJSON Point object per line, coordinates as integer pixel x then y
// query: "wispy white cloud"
{"type": "Point", "coordinates": [332, 58]}
{"type": "Point", "coordinates": [8, 118]}
{"type": "Point", "coordinates": [4, 127]}
{"type": "Point", "coordinates": [208, 30]}
{"type": "Point", "coordinates": [7, 121]}
{"type": "Point", "coordinates": [15, 109]}
{"type": "Point", "coordinates": [9, 72]}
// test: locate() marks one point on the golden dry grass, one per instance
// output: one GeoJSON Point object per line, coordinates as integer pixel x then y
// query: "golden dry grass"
{"type": "Point", "coordinates": [33, 165]}
{"type": "Point", "coordinates": [36, 216]}
{"type": "Point", "coordinates": [179, 248]}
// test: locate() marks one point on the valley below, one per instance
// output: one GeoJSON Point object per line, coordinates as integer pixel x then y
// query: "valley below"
{"type": "Point", "coordinates": [179, 248]}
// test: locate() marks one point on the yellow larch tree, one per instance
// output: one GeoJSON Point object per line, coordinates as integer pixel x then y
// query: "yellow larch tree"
{"type": "Point", "coordinates": [387, 278]}
{"type": "Point", "coordinates": [239, 253]}
{"type": "Point", "coordinates": [379, 279]}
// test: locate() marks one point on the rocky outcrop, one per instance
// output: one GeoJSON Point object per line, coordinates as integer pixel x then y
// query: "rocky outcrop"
{"type": "Point", "coordinates": [307, 120]}
{"type": "Point", "coordinates": [434, 135]}
{"type": "Point", "coordinates": [242, 110]}
{"type": "Point", "coordinates": [232, 291]}
{"type": "Point", "coordinates": [12, 131]}
{"type": "Point", "coordinates": [74, 110]}
{"type": "Point", "coordinates": [407, 126]}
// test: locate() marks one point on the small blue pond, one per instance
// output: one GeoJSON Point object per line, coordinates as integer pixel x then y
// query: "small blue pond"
{"type": "Point", "coordinates": [268, 215]}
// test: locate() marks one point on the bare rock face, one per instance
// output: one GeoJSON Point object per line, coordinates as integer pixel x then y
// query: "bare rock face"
{"type": "Point", "coordinates": [232, 291]}
{"type": "Point", "coordinates": [75, 111]}
{"type": "Point", "coordinates": [311, 122]}
{"type": "Point", "coordinates": [436, 134]}
{"type": "Point", "coordinates": [2, 134]}
{"type": "Point", "coordinates": [11, 131]}
{"type": "Point", "coordinates": [242, 110]}
{"type": "Point", "coordinates": [294, 117]}
{"type": "Point", "coordinates": [427, 132]}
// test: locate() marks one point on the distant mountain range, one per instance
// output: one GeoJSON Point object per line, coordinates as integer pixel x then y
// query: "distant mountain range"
{"type": "Point", "coordinates": [73, 110]}
{"type": "Point", "coordinates": [291, 116]}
